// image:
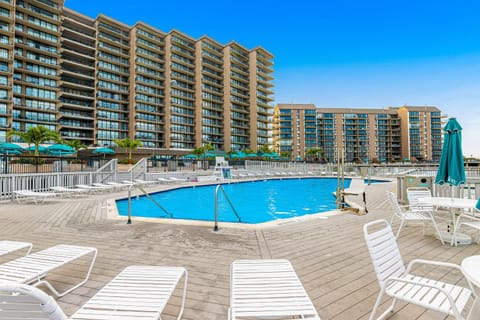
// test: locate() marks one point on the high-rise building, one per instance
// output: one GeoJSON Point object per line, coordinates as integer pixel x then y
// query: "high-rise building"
{"type": "Point", "coordinates": [359, 135]}
{"type": "Point", "coordinates": [98, 79]}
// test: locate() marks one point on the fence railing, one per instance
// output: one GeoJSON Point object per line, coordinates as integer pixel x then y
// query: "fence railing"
{"type": "Point", "coordinates": [44, 181]}
{"type": "Point", "coordinates": [45, 164]}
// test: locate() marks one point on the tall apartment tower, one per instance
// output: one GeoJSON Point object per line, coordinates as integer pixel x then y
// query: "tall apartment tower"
{"type": "Point", "coordinates": [98, 79]}
{"type": "Point", "coordinates": [31, 63]}
{"type": "Point", "coordinates": [421, 132]}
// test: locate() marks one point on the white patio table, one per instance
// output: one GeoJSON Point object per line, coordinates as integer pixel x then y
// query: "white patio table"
{"type": "Point", "coordinates": [452, 203]}
{"type": "Point", "coordinates": [471, 269]}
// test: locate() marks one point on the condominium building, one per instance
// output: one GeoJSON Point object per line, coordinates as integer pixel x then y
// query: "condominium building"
{"type": "Point", "coordinates": [359, 135]}
{"type": "Point", "coordinates": [421, 132]}
{"type": "Point", "coordinates": [98, 79]}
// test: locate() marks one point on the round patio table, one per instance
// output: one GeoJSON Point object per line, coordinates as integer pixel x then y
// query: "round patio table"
{"type": "Point", "coordinates": [471, 269]}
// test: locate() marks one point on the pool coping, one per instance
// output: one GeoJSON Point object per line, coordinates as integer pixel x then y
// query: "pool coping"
{"type": "Point", "coordinates": [112, 210]}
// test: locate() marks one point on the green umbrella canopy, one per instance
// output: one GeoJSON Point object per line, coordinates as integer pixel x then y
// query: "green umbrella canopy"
{"type": "Point", "coordinates": [251, 155]}
{"type": "Point", "coordinates": [104, 151]}
{"type": "Point", "coordinates": [451, 169]}
{"type": "Point", "coordinates": [190, 156]}
{"type": "Point", "coordinates": [60, 150]}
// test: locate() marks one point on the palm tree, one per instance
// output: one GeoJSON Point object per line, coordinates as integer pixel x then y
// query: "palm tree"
{"type": "Point", "coordinates": [36, 136]}
{"type": "Point", "coordinates": [198, 151]}
{"type": "Point", "coordinates": [312, 153]}
{"type": "Point", "coordinates": [207, 147]}
{"type": "Point", "coordinates": [77, 145]}
{"type": "Point", "coordinates": [130, 144]}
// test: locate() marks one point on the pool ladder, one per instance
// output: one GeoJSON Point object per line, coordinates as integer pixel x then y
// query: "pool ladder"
{"type": "Point", "coordinates": [220, 188]}
{"type": "Point", "coordinates": [149, 197]}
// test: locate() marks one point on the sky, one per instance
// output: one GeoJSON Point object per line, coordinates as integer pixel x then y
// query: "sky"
{"type": "Point", "coordinates": [341, 53]}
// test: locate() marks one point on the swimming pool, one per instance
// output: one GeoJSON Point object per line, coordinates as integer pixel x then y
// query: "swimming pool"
{"type": "Point", "coordinates": [255, 202]}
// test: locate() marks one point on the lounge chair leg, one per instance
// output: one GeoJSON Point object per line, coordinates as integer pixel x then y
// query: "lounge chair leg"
{"type": "Point", "coordinates": [399, 228]}
{"type": "Point", "coordinates": [56, 293]}
{"type": "Point", "coordinates": [184, 295]}
{"type": "Point", "coordinates": [437, 230]}
{"type": "Point", "coordinates": [377, 303]}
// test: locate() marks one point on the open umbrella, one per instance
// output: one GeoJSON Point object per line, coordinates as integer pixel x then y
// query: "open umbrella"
{"type": "Point", "coordinates": [451, 169]}
{"type": "Point", "coordinates": [104, 151]}
{"type": "Point", "coordinates": [41, 149]}
{"type": "Point", "coordinates": [60, 150]}
{"type": "Point", "coordinates": [10, 146]}
{"type": "Point", "coordinates": [190, 156]}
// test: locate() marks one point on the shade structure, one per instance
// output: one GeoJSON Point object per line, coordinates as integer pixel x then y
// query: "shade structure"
{"type": "Point", "coordinates": [60, 150]}
{"type": "Point", "coordinates": [10, 152]}
{"type": "Point", "coordinates": [190, 156]}
{"type": "Point", "coordinates": [104, 151]}
{"type": "Point", "coordinates": [451, 169]}
{"type": "Point", "coordinates": [41, 149]}
{"type": "Point", "coordinates": [10, 146]}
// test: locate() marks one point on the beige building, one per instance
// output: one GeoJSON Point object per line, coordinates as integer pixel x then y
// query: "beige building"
{"type": "Point", "coordinates": [359, 134]}
{"type": "Point", "coordinates": [97, 80]}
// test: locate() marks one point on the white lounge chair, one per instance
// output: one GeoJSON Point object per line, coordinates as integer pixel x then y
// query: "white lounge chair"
{"type": "Point", "coordinates": [137, 293]}
{"type": "Point", "coordinates": [36, 197]}
{"type": "Point", "coordinates": [91, 188]}
{"type": "Point", "coordinates": [118, 185]}
{"type": "Point", "coordinates": [106, 186]}
{"type": "Point", "coordinates": [175, 179]}
{"type": "Point", "coordinates": [268, 289]}
{"type": "Point", "coordinates": [32, 269]}
{"type": "Point", "coordinates": [7, 247]}
{"type": "Point", "coordinates": [69, 192]}
{"type": "Point", "coordinates": [398, 282]}
{"type": "Point", "coordinates": [406, 216]}
{"type": "Point", "coordinates": [140, 181]}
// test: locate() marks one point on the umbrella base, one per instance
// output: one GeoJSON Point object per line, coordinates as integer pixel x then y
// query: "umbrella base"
{"type": "Point", "coordinates": [462, 238]}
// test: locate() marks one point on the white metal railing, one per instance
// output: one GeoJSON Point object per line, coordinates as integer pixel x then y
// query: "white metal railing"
{"type": "Point", "coordinates": [44, 181]}
{"type": "Point", "coordinates": [138, 170]}
{"type": "Point", "coordinates": [129, 220]}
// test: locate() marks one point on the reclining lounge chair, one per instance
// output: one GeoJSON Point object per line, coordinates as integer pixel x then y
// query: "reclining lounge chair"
{"type": "Point", "coordinates": [137, 293]}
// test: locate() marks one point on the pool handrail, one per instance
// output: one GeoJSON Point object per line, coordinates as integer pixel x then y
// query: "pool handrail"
{"type": "Point", "coordinates": [138, 186]}
{"type": "Point", "coordinates": [220, 187]}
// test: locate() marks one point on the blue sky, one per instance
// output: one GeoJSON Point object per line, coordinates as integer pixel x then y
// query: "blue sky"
{"type": "Point", "coordinates": [342, 53]}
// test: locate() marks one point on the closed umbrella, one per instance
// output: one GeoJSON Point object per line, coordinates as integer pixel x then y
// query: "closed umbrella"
{"type": "Point", "coordinates": [451, 169]}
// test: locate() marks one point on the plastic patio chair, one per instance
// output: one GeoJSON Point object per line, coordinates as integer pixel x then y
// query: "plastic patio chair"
{"type": "Point", "coordinates": [399, 283]}
{"type": "Point", "coordinates": [138, 292]}
{"type": "Point", "coordinates": [406, 216]}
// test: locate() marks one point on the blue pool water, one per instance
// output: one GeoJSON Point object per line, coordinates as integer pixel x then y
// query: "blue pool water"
{"type": "Point", "coordinates": [255, 202]}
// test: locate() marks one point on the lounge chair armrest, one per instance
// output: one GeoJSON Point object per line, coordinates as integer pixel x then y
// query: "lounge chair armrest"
{"type": "Point", "coordinates": [440, 289]}
{"type": "Point", "coordinates": [441, 264]}
{"type": "Point", "coordinates": [434, 263]}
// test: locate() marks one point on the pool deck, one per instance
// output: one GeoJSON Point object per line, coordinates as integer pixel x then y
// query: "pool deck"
{"type": "Point", "coordinates": [329, 255]}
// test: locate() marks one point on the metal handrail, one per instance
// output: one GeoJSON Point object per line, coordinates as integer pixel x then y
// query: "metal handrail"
{"type": "Point", "coordinates": [220, 187]}
{"type": "Point", "coordinates": [129, 221]}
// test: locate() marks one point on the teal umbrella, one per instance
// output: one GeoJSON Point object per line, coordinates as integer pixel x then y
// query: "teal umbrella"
{"type": "Point", "coordinates": [10, 152]}
{"type": "Point", "coordinates": [104, 151]}
{"type": "Point", "coordinates": [451, 169]}
{"type": "Point", "coordinates": [190, 156]}
{"type": "Point", "coordinates": [60, 150]}
{"type": "Point", "coordinates": [10, 146]}
{"type": "Point", "coordinates": [41, 149]}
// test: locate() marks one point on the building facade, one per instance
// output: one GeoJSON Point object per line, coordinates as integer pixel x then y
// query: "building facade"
{"type": "Point", "coordinates": [97, 80]}
{"type": "Point", "coordinates": [360, 135]}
